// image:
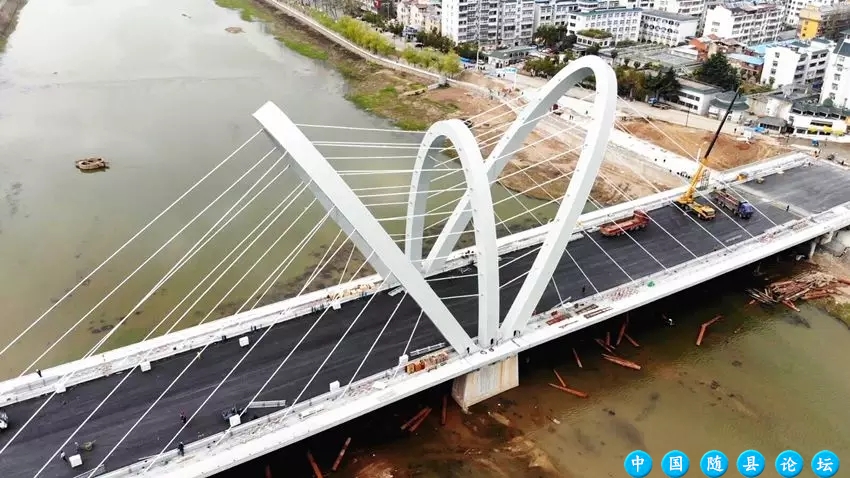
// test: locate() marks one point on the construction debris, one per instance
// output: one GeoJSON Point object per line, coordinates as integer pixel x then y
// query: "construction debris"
{"type": "Point", "coordinates": [578, 360]}
{"type": "Point", "coordinates": [602, 344]}
{"type": "Point", "coordinates": [445, 409]}
{"type": "Point", "coordinates": [560, 380]}
{"type": "Point", "coordinates": [416, 417]}
{"type": "Point", "coordinates": [341, 454]}
{"type": "Point", "coordinates": [631, 341]}
{"type": "Point", "coordinates": [316, 470]}
{"type": "Point", "coordinates": [421, 419]}
{"type": "Point", "coordinates": [621, 362]}
{"type": "Point", "coordinates": [427, 362]}
{"type": "Point", "coordinates": [622, 331]}
{"type": "Point", "coordinates": [577, 393]}
{"type": "Point", "coordinates": [808, 286]}
{"type": "Point", "coordinates": [704, 327]}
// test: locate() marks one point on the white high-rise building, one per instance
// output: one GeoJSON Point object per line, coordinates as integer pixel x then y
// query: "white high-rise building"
{"type": "Point", "coordinates": [747, 22]}
{"type": "Point", "coordinates": [836, 81]}
{"type": "Point", "coordinates": [492, 22]}
{"type": "Point", "coordinates": [695, 8]}
{"type": "Point", "coordinates": [795, 63]}
{"type": "Point", "coordinates": [666, 28]}
{"type": "Point", "coordinates": [793, 7]}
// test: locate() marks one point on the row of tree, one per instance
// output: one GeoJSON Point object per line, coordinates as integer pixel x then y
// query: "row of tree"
{"type": "Point", "coordinates": [446, 63]}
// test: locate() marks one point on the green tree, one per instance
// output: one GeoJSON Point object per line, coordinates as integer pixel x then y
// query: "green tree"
{"type": "Point", "coordinates": [664, 85]}
{"type": "Point", "coordinates": [717, 71]}
{"type": "Point", "coordinates": [436, 41]}
{"type": "Point", "coordinates": [449, 64]}
{"type": "Point", "coordinates": [592, 50]}
{"type": "Point", "coordinates": [469, 51]}
{"type": "Point", "coordinates": [545, 67]}
{"type": "Point", "coordinates": [631, 83]}
{"type": "Point", "coordinates": [568, 43]}
{"type": "Point", "coordinates": [549, 35]}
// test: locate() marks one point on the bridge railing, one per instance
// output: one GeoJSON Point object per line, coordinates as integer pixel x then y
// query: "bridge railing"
{"type": "Point", "coordinates": [384, 386]}
{"type": "Point", "coordinates": [124, 358]}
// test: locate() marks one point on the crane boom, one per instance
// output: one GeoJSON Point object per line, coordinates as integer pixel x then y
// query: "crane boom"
{"type": "Point", "coordinates": [687, 201]}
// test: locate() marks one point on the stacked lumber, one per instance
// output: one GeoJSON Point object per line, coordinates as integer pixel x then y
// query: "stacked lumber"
{"type": "Point", "coordinates": [427, 362]}
{"type": "Point", "coordinates": [808, 286]}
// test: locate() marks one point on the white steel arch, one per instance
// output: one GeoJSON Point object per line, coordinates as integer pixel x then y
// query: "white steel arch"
{"type": "Point", "coordinates": [391, 263]}
{"type": "Point", "coordinates": [573, 201]}
{"type": "Point", "coordinates": [355, 219]}
{"type": "Point", "coordinates": [484, 224]}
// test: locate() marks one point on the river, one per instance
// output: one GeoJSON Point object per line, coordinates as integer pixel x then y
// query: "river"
{"type": "Point", "coordinates": [164, 93]}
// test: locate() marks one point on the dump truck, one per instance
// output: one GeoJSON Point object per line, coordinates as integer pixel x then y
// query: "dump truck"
{"type": "Point", "coordinates": [739, 207]}
{"type": "Point", "coordinates": [639, 220]}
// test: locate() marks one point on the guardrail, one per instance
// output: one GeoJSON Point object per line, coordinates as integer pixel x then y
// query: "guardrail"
{"type": "Point", "coordinates": [124, 358]}
{"type": "Point", "coordinates": [285, 427]}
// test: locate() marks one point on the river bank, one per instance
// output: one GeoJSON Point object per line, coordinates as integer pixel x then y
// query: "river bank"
{"type": "Point", "coordinates": [9, 10]}
{"type": "Point", "coordinates": [729, 393]}
{"type": "Point", "coordinates": [401, 97]}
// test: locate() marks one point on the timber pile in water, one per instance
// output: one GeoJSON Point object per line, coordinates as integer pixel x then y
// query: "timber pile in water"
{"type": "Point", "coordinates": [809, 286]}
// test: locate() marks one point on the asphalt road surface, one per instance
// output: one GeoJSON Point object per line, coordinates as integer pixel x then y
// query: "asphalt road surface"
{"type": "Point", "coordinates": [643, 253]}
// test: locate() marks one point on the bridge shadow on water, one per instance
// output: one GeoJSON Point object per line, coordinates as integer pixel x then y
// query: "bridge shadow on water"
{"type": "Point", "coordinates": [721, 296]}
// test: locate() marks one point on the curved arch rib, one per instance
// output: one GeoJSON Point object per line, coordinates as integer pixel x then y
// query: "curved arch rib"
{"type": "Point", "coordinates": [355, 219]}
{"type": "Point", "coordinates": [478, 190]}
{"type": "Point", "coordinates": [579, 188]}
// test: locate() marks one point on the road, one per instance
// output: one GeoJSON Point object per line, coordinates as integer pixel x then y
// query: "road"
{"type": "Point", "coordinates": [644, 253]}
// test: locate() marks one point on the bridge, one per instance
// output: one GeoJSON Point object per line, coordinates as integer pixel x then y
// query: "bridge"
{"type": "Point", "coordinates": [297, 367]}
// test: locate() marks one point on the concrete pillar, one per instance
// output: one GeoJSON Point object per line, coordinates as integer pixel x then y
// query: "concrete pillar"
{"type": "Point", "coordinates": [813, 244]}
{"type": "Point", "coordinates": [486, 382]}
{"type": "Point", "coordinates": [827, 238]}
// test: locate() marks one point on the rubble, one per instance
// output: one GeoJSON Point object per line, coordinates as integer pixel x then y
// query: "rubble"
{"type": "Point", "coordinates": [808, 286]}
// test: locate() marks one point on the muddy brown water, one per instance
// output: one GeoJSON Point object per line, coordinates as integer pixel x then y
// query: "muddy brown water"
{"type": "Point", "coordinates": [163, 92]}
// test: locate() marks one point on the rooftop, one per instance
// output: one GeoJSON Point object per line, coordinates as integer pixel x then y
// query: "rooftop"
{"type": "Point", "coordinates": [600, 11]}
{"type": "Point", "coordinates": [842, 48]}
{"type": "Point", "coordinates": [749, 7]}
{"type": "Point", "coordinates": [751, 60]}
{"type": "Point", "coordinates": [669, 15]}
{"type": "Point", "coordinates": [772, 121]}
{"type": "Point", "coordinates": [594, 33]}
{"type": "Point", "coordinates": [703, 88]}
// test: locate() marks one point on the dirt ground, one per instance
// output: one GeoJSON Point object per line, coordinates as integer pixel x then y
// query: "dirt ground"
{"type": "Point", "coordinates": [619, 181]}
{"type": "Point", "coordinates": [729, 152]}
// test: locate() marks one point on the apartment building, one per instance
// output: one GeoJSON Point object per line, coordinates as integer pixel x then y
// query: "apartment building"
{"type": "Point", "coordinates": [554, 12]}
{"type": "Point", "coordinates": [666, 28]}
{"type": "Point", "coordinates": [746, 22]}
{"type": "Point", "coordinates": [423, 15]}
{"type": "Point", "coordinates": [794, 62]}
{"type": "Point", "coordinates": [794, 7]}
{"type": "Point", "coordinates": [816, 21]}
{"type": "Point", "coordinates": [695, 8]}
{"type": "Point", "coordinates": [623, 23]}
{"type": "Point", "coordinates": [492, 22]}
{"type": "Point", "coordinates": [836, 82]}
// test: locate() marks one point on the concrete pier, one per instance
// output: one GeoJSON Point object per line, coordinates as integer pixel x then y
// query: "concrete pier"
{"type": "Point", "coordinates": [486, 382]}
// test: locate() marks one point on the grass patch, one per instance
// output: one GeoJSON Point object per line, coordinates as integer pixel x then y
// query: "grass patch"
{"type": "Point", "coordinates": [248, 11]}
{"type": "Point", "coordinates": [387, 103]}
{"type": "Point", "coordinates": [304, 48]}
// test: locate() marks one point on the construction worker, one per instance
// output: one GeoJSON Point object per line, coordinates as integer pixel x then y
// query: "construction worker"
{"type": "Point", "coordinates": [62, 456]}
{"type": "Point", "coordinates": [77, 447]}
{"type": "Point", "coordinates": [183, 417]}
{"type": "Point", "coordinates": [181, 449]}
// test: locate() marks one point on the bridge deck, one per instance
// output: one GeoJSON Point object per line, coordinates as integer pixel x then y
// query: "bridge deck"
{"type": "Point", "coordinates": [33, 448]}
